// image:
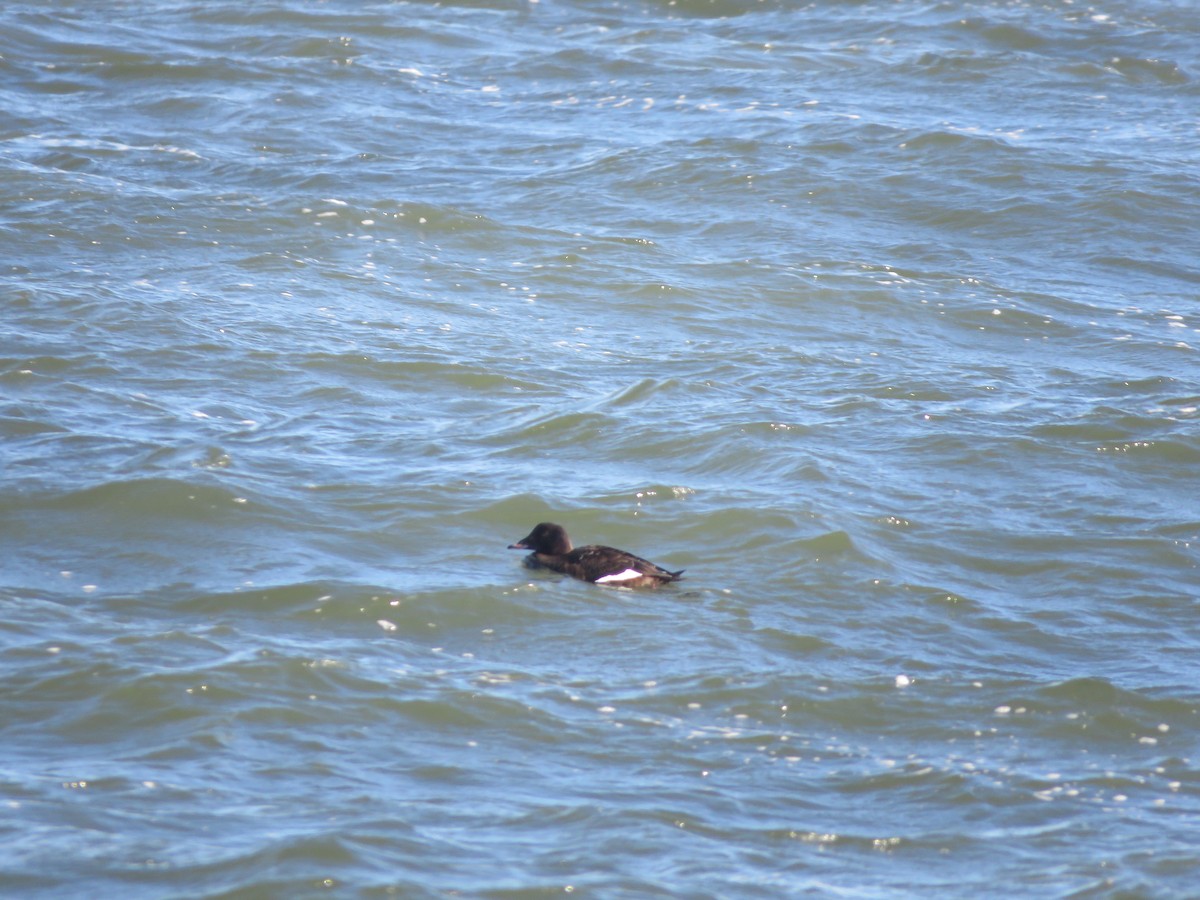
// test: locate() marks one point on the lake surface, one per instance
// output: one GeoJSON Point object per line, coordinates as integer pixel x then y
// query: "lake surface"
{"type": "Point", "coordinates": [878, 318]}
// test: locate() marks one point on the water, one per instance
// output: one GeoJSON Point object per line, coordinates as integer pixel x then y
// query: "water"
{"type": "Point", "coordinates": [877, 317]}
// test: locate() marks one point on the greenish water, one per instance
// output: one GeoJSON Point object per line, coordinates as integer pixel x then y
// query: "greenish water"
{"type": "Point", "coordinates": [878, 318]}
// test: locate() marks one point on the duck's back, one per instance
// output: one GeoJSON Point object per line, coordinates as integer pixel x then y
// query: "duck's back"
{"type": "Point", "coordinates": [608, 565]}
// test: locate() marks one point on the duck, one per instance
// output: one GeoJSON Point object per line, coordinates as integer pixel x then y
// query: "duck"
{"type": "Point", "coordinates": [595, 563]}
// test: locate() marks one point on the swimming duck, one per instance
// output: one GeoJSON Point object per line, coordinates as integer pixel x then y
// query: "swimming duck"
{"type": "Point", "coordinates": [600, 565]}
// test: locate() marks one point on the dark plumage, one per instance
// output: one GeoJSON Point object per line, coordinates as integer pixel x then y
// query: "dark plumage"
{"type": "Point", "coordinates": [600, 565]}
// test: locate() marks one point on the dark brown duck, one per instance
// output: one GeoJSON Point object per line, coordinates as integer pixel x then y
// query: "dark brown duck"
{"type": "Point", "coordinates": [600, 565]}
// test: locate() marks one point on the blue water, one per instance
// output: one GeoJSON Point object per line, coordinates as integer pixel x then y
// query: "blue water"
{"type": "Point", "coordinates": [879, 318]}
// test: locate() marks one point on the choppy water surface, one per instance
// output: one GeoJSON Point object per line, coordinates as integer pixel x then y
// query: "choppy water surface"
{"type": "Point", "coordinates": [878, 317]}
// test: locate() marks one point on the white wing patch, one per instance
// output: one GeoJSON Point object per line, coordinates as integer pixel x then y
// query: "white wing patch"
{"type": "Point", "coordinates": [627, 575]}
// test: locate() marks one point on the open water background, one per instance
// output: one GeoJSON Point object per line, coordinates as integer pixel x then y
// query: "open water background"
{"type": "Point", "coordinates": [878, 317]}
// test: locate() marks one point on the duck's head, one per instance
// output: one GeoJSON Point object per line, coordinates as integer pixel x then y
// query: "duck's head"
{"type": "Point", "coordinates": [545, 538]}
